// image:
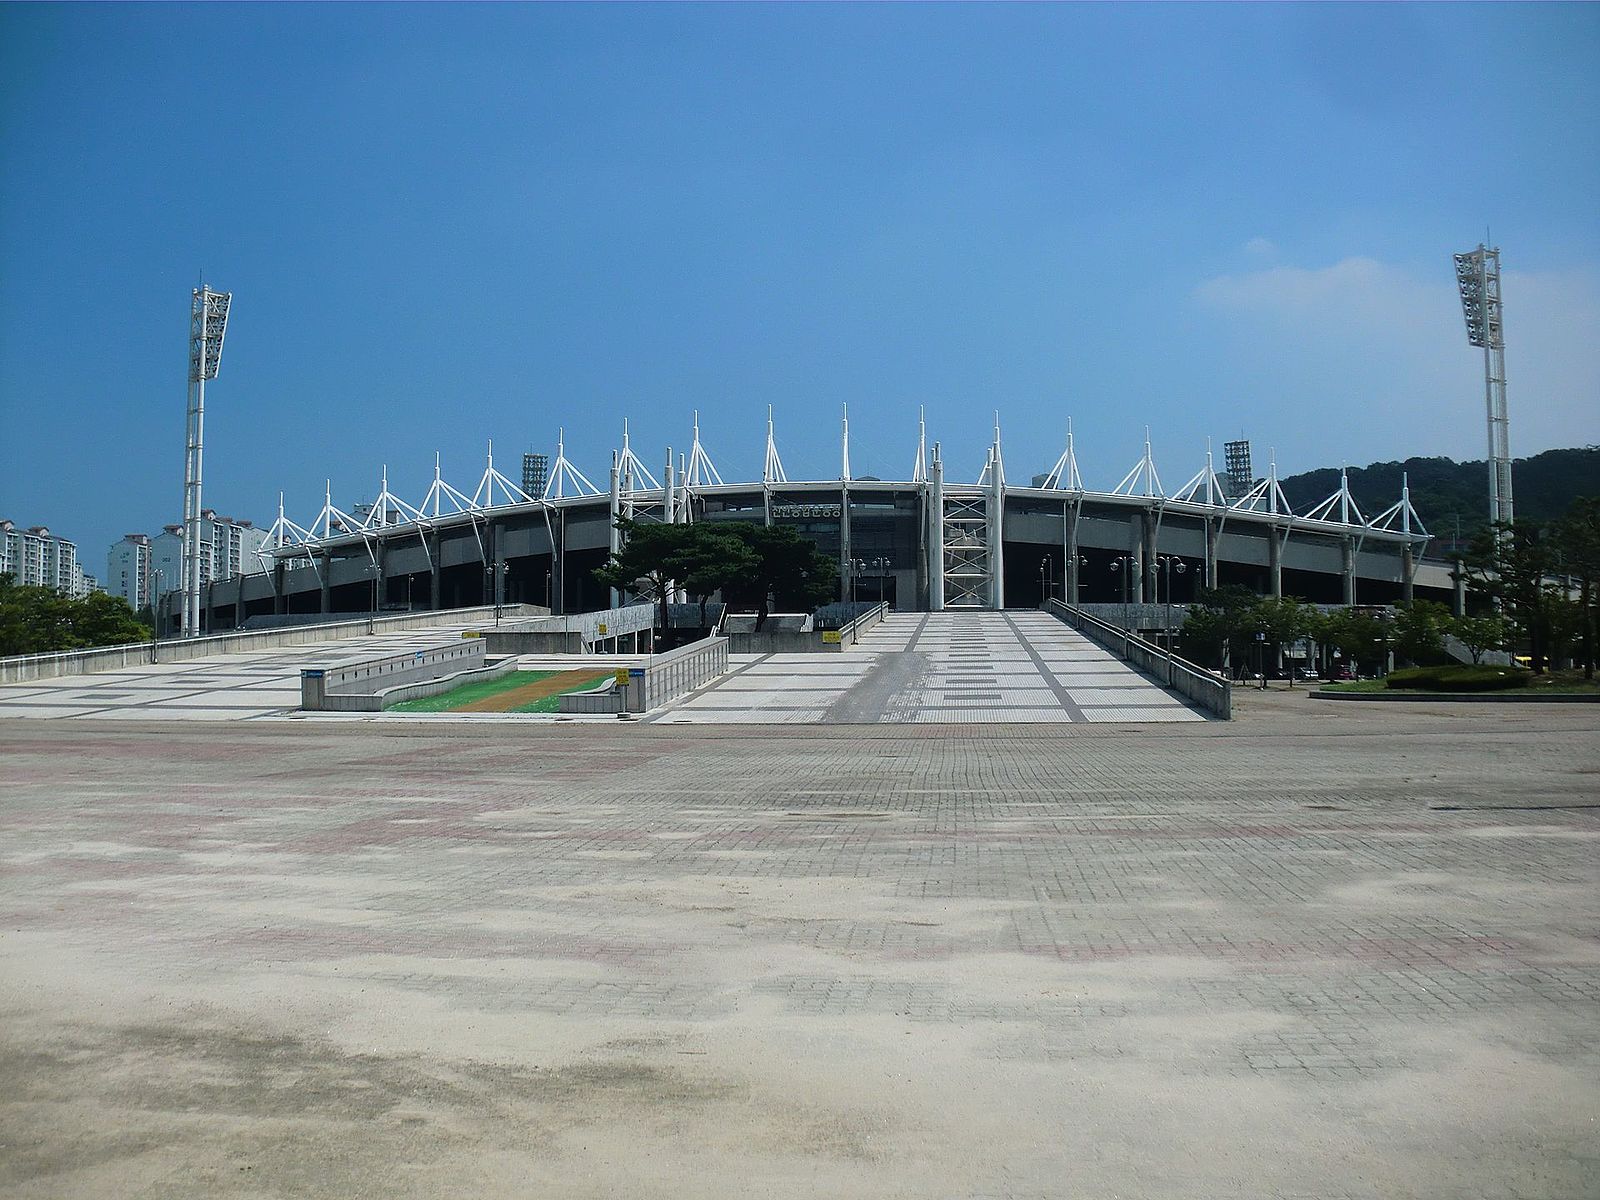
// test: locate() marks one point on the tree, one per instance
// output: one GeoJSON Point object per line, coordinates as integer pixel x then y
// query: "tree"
{"type": "Point", "coordinates": [1481, 634]}
{"type": "Point", "coordinates": [711, 559]}
{"type": "Point", "coordinates": [100, 619]}
{"type": "Point", "coordinates": [1511, 565]}
{"type": "Point", "coordinates": [1204, 636]}
{"type": "Point", "coordinates": [646, 563]}
{"type": "Point", "coordinates": [788, 567]}
{"type": "Point", "coordinates": [1578, 541]}
{"type": "Point", "coordinates": [1419, 631]}
{"type": "Point", "coordinates": [40, 620]}
{"type": "Point", "coordinates": [1358, 636]}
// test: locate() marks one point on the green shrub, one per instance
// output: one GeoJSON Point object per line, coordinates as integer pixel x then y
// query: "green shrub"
{"type": "Point", "coordinates": [1458, 678]}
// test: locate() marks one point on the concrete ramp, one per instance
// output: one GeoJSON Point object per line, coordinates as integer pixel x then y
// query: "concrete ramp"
{"type": "Point", "coordinates": [927, 668]}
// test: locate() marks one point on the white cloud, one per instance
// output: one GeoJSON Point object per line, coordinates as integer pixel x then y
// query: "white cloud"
{"type": "Point", "coordinates": [1260, 247]}
{"type": "Point", "coordinates": [1383, 351]}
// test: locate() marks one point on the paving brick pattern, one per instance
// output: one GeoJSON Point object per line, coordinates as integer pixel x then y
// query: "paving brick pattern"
{"type": "Point", "coordinates": [940, 668]}
{"type": "Point", "coordinates": [1260, 959]}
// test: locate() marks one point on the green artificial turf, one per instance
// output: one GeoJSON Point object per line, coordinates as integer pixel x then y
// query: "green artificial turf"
{"type": "Point", "coordinates": [469, 692]}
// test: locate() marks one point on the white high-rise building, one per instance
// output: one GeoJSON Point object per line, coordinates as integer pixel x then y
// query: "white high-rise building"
{"type": "Point", "coordinates": [35, 557]}
{"type": "Point", "coordinates": [227, 548]}
{"type": "Point", "coordinates": [128, 571]}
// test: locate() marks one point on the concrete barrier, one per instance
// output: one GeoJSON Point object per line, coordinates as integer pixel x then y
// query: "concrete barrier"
{"type": "Point", "coordinates": [24, 667]}
{"type": "Point", "coordinates": [1182, 676]}
{"type": "Point", "coordinates": [578, 633]}
{"type": "Point", "coordinates": [804, 640]}
{"type": "Point", "coordinates": [372, 684]}
{"type": "Point", "coordinates": [664, 677]}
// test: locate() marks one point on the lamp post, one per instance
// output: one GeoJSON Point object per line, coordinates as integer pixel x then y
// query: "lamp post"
{"type": "Point", "coordinates": [880, 566]}
{"type": "Point", "coordinates": [155, 617]}
{"type": "Point", "coordinates": [1123, 565]}
{"type": "Point", "coordinates": [497, 581]}
{"type": "Point", "coordinates": [208, 323]}
{"type": "Point", "coordinates": [1167, 562]}
{"type": "Point", "coordinates": [372, 605]}
{"type": "Point", "coordinates": [549, 594]}
{"type": "Point", "coordinates": [856, 566]}
{"type": "Point", "coordinates": [1047, 581]}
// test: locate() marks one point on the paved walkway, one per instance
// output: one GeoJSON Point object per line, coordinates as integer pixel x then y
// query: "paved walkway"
{"type": "Point", "coordinates": [223, 687]}
{"type": "Point", "coordinates": [947, 668]}
{"type": "Point", "coordinates": [1334, 953]}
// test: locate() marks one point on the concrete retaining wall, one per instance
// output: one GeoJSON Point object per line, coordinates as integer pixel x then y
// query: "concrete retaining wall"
{"type": "Point", "coordinates": [24, 667]}
{"type": "Point", "coordinates": [809, 641]}
{"type": "Point", "coordinates": [362, 686]}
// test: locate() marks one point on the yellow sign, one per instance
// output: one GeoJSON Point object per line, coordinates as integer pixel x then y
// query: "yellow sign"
{"type": "Point", "coordinates": [830, 637]}
{"type": "Point", "coordinates": [602, 629]}
{"type": "Point", "coordinates": [621, 676]}
{"type": "Point", "coordinates": [466, 633]}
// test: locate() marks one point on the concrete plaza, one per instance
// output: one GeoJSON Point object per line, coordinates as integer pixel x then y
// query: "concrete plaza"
{"type": "Point", "coordinates": [1327, 951]}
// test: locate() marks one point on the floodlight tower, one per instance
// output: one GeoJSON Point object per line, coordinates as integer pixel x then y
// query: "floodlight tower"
{"type": "Point", "coordinates": [1478, 278]}
{"type": "Point", "coordinates": [208, 321]}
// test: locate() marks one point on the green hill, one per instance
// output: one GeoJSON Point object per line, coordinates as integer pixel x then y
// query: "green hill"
{"type": "Point", "coordinates": [1447, 493]}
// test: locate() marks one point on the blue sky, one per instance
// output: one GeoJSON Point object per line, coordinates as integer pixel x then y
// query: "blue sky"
{"type": "Point", "coordinates": [446, 224]}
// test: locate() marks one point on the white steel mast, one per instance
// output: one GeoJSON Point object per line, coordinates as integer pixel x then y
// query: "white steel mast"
{"type": "Point", "coordinates": [208, 321]}
{"type": "Point", "coordinates": [1478, 278]}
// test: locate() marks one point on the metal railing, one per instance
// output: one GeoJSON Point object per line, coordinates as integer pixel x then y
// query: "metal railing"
{"type": "Point", "coordinates": [663, 677]}
{"type": "Point", "coordinates": [667, 676]}
{"type": "Point", "coordinates": [1191, 680]}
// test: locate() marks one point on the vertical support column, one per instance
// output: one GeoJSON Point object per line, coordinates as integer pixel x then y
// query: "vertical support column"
{"type": "Point", "coordinates": [616, 511]}
{"type": "Point", "coordinates": [1458, 593]}
{"type": "Point", "coordinates": [844, 541]}
{"type": "Point", "coordinates": [1136, 539]}
{"type": "Point", "coordinates": [997, 533]}
{"type": "Point", "coordinates": [325, 585]}
{"type": "Point", "coordinates": [1408, 571]}
{"type": "Point", "coordinates": [1349, 569]}
{"type": "Point", "coordinates": [433, 573]}
{"type": "Point", "coordinates": [1275, 563]}
{"type": "Point", "coordinates": [1212, 536]}
{"type": "Point", "coordinates": [280, 602]}
{"type": "Point", "coordinates": [1069, 516]}
{"type": "Point", "coordinates": [1152, 587]}
{"type": "Point", "coordinates": [936, 534]}
{"type": "Point", "coordinates": [558, 564]}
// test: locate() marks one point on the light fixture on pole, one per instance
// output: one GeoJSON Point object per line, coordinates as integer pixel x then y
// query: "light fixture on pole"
{"type": "Point", "coordinates": [1167, 562]}
{"type": "Point", "coordinates": [208, 322]}
{"type": "Point", "coordinates": [1124, 565]}
{"type": "Point", "coordinates": [1478, 279]}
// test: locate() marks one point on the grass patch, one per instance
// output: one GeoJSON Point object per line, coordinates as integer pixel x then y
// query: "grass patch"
{"type": "Point", "coordinates": [470, 692]}
{"type": "Point", "coordinates": [1458, 678]}
{"type": "Point", "coordinates": [1553, 683]}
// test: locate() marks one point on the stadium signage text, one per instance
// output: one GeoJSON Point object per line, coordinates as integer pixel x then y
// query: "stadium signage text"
{"type": "Point", "coordinates": [805, 510]}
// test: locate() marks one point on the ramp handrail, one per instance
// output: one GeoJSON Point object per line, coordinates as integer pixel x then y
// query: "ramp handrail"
{"type": "Point", "coordinates": [1210, 692]}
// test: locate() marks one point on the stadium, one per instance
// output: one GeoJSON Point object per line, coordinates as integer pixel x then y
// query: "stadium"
{"type": "Point", "coordinates": [928, 542]}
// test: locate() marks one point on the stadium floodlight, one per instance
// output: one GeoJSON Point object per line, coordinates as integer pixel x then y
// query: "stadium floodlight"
{"type": "Point", "coordinates": [208, 323]}
{"type": "Point", "coordinates": [1478, 279]}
